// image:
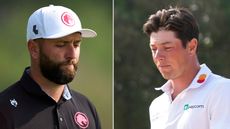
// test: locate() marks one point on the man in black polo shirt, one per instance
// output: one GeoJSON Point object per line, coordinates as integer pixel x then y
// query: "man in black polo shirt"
{"type": "Point", "coordinates": [41, 99]}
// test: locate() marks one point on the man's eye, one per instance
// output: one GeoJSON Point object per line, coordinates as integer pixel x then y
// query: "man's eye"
{"type": "Point", "coordinates": [77, 44]}
{"type": "Point", "coordinates": [60, 45]}
{"type": "Point", "coordinates": [168, 48]}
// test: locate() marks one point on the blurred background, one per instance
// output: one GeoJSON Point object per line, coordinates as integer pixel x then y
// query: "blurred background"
{"type": "Point", "coordinates": [94, 78]}
{"type": "Point", "coordinates": [135, 74]}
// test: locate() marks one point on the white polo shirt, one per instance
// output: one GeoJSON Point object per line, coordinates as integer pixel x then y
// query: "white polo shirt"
{"type": "Point", "coordinates": [205, 104]}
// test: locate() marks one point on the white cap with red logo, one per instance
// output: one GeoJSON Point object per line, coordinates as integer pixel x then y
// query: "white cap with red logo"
{"type": "Point", "coordinates": [55, 22]}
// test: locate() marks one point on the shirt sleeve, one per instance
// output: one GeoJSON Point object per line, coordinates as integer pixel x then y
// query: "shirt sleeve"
{"type": "Point", "coordinates": [219, 112]}
{"type": "Point", "coordinates": [96, 117]}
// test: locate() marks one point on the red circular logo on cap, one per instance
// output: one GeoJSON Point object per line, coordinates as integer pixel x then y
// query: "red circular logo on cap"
{"type": "Point", "coordinates": [81, 120]}
{"type": "Point", "coordinates": [67, 19]}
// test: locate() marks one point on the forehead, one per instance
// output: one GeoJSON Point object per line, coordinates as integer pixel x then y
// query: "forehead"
{"type": "Point", "coordinates": [162, 37]}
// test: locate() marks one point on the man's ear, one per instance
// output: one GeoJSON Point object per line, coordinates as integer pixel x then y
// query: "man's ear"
{"type": "Point", "coordinates": [33, 48]}
{"type": "Point", "coordinates": [192, 46]}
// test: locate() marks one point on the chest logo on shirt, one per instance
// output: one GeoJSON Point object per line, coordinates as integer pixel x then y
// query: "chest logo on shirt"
{"type": "Point", "coordinates": [13, 102]}
{"type": "Point", "coordinates": [81, 120]}
{"type": "Point", "coordinates": [187, 106]}
{"type": "Point", "coordinates": [201, 78]}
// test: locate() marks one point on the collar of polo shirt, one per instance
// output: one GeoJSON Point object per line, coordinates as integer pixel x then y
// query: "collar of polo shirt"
{"type": "Point", "coordinates": [197, 82]}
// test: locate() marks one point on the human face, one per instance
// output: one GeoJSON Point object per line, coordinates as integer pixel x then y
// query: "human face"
{"type": "Point", "coordinates": [59, 58]}
{"type": "Point", "coordinates": [168, 54]}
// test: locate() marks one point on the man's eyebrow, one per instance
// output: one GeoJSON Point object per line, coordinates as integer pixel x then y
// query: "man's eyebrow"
{"type": "Point", "coordinates": [79, 40]}
{"type": "Point", "coordinates": [162, 43]}
{"type": "Point", "coordinates": [67, 41]}
{"type": "Point", "coordinates": [165, 43]}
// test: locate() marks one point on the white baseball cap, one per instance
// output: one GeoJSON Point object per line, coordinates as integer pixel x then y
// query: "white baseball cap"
{"type": "Point", "coordinates": [55, 22]}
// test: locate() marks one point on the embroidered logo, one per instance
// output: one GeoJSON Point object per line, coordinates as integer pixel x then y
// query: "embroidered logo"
{"type": "Point", "coordinates": [187, 106]}
{"type": "Point", "coordinates": [201, 78]}
{"type": "Point", "coordinates": [81, 120]}
{"type": "Point", "coordinates": [35, 30]}
{"type": "Point", "coordinates": [67, 19]}
{"type": "Point", "coordinates": [13, 102]}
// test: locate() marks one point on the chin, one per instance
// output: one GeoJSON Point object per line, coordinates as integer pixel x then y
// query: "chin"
{"type": "Point", "coordinates": [167, 76]}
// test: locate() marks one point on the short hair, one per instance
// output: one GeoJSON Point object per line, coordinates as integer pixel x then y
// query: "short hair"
{"type": "Point", "coordinates": [179, 20]}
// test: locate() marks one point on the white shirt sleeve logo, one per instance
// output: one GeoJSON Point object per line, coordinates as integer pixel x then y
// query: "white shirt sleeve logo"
{"type": "Point", "coordinates": [14, 102]}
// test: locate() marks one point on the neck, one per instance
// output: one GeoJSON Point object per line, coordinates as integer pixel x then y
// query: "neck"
{"type": "Point", "coordinates": [50, 88]}
{"type": "Point", "coordinates": [182, 82]}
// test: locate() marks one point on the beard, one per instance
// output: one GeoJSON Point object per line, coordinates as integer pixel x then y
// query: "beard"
{"type": "Point", "coordinates": [57, 72]}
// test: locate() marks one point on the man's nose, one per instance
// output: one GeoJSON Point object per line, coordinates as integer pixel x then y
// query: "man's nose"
{"type": "Point", "coordinates": [72, 52]}
{"type": "Point", "coordinates": [159, 55]}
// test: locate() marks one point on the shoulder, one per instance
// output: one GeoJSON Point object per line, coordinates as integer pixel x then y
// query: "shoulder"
{"type": "Point", "coordinates": [219, 89]}
{"type": "Point", "coordinates": [219, 83]}
{"type": "Point", "coordinates": [218, 100]}
{"type": "Point", "coordinates": [78, 95]}
{"type": "Point", "coordinates": [159, 107]}
{"type": "Point", "coordinates": [9, 92]}
{"type": "Point", "coordinates": [160, 99]}
{"type": "Point", "coordinates": [80, 98]}
{"type": "Point", "coordinates": [159, 102]}
{"type": "Point", "coordinates": [7, 99]}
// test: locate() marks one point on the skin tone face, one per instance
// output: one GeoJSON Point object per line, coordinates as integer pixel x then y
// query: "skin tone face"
{"type": "Point", "coordinates": [175, 63]}
{"type": "Point", "coordinates": [61, 66]}
{"type": "Point", "coordinates": [54, 62]}
{"type": "Point", "coordinates": [168, 54]}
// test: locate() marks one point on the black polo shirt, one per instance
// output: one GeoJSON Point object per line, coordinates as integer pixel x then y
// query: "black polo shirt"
{"type": "Point", "coordinates": [24, 105]}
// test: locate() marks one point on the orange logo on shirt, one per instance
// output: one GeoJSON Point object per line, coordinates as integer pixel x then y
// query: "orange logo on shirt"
{"type": "Point", "coordinates": [202, 78]}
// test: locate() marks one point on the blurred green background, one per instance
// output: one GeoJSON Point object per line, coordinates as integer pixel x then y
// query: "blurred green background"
{"type": "Point", "coordinates": [94, 78]}
{"type": "Point", "coordinates": [135, 73]}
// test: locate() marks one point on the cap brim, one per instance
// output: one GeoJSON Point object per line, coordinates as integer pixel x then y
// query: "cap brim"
{"type": "Point", "coordinates": [87, 33]}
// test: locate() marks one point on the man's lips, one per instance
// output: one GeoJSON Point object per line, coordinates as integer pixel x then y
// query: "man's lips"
{"type": "Point", "coordinates": [163, 66]}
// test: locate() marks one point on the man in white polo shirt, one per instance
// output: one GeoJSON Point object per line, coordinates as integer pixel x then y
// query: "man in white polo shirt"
{"type": "Point", "coordinates": [194, 97]}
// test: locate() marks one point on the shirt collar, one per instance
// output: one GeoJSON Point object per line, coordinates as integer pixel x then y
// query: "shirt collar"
{"type": "Point", "coordinates": [66, 93]}
{"type": "Point", "coordinates": [167, 88]}
{"type": "Point", "coordinates": [200, 79]}
{"type": "Point", "coordinates": [33, 88]}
